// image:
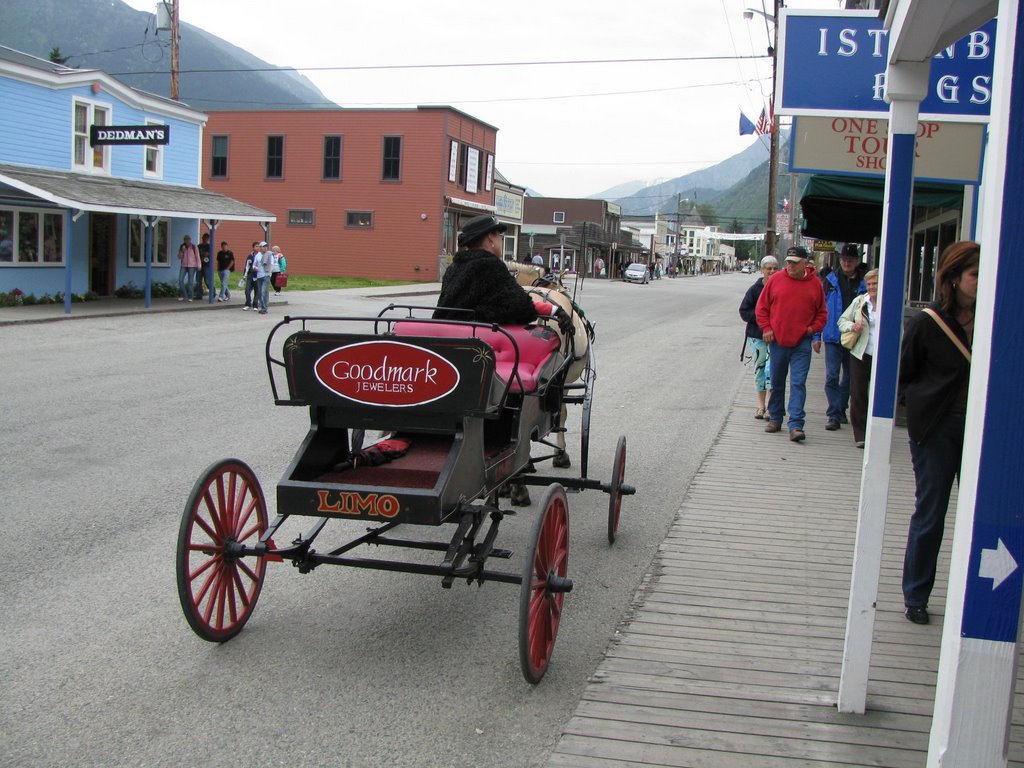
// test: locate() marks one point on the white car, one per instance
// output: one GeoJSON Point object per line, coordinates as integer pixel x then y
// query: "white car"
{"type": "Point", "coordinates": [636, 273]}
{"type": "Point", "coordinates": [746, 269]}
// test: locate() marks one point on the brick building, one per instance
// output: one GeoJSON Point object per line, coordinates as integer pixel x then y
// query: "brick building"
{"type": "Point", "coordinates": [378, 194]}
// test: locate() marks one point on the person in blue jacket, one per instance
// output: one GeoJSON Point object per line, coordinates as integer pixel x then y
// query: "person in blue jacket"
{"type": "Point", "coordinates": [841, 287]}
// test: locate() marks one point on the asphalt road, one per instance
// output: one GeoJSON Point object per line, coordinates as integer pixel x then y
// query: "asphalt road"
{"type": "Point", "coordinates": [105, 425]}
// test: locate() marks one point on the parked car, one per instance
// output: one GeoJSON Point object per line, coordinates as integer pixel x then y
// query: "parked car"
{"type": "Point", "coordinates": [636, 273]}
{"type": "Point", "coordinates": [746, 269]}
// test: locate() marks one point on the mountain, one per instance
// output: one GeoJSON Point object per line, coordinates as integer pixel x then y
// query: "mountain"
{"type": "Point", "coordinates": [126, 44]}
{"type": "Point", "coordinates": [624, 190]}
{"type": "Point", "coordinates": [700, 185]}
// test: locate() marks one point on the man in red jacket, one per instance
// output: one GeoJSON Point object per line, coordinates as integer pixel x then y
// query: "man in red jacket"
{"type": "Point", "coordinates": [790, 313]}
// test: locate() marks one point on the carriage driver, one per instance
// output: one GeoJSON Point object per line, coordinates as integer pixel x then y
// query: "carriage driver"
{"type": "Point", "coordinates": [478, 280]}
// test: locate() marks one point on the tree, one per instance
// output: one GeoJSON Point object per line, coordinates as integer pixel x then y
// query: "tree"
{"type": "Point", "coordinates": [744, 248]}
{"type": "Point", "coordinates": [56, 57]}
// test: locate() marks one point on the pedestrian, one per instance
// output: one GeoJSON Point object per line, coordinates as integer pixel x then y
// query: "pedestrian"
{"type": "Point", "coordinates": [203, 277]}
{"type": "Point", "coordinates": [841, 286]}
{"type": "Point", "coordinates": [538, 260]}
{"type": "Point", "coordinates": [934, 373]}
{"type": "Point", "coordinates": [250, 277]}
{"type": "Point", "coordinates": [791, 313]}
{"type": "Point", "coordinates": [861, 318]}
{"type": "Point", "coordinates": [225, 265]}
{"type": "Point", "coordinates": [261, 263]}
{"type": "Point", "coordinates": [754, 338]}
{"type": "Point", "coordinates": [278, 265]}
{"type": "Point", "coordinates": [188, 255]}
{"type": "Point", "coordinates": [599, 267]}
{"type": "Point", "coordinates": [282, 279]}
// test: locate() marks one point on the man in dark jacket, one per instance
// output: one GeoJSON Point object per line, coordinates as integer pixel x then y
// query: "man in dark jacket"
{"type": "Point", "coordinates": [841, 286]}
{"type": "Point", "coordinates": [478, 279]}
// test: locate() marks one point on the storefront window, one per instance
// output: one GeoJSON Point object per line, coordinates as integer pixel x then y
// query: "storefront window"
{"type": "Point", "coordinates": [30, 237]}
{"type": "Point", "coordinates": [137, 243]}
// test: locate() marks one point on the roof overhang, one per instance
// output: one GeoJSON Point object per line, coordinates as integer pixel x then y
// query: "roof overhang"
{"type": "Point", "coordinates": [919, 30]}
{"type": "Point", "coordinates": [103, 194]}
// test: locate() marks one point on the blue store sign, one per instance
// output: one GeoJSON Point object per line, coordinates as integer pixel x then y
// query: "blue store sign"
{"type": "Point", "coordinates": [834, 64]}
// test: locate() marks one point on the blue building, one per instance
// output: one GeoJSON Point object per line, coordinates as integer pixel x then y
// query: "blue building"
{"type": "Point", "coordinates": [87, 205]}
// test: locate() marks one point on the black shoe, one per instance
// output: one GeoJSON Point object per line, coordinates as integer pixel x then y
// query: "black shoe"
{"type": "Point", "coordinates": [832, 425]}
{"type": "Point", "coordinates": [917, 614]}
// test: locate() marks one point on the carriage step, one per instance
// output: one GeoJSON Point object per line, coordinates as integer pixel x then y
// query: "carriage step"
{"type": "Point", "coordinates": [504, 554]}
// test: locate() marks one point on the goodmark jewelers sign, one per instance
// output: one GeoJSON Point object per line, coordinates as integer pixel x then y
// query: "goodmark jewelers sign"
{"type": "Point", "coordinates": [834, 64]}
{"type": "Point", "coordinates": [129, 134]}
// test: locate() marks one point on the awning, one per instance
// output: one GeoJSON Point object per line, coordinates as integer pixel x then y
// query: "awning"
{"type": "Point", "coordinates": [849, 208]}
{"type": "Point", "coordinates": [104, 194]}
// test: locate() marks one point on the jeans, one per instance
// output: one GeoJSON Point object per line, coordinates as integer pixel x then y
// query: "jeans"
{"type": "Point", "coordinates": [837, 381]}
{"type": "Point", "coordinates": [202, 278]}
{"type": "Point", "coordinates": [225, 287]}
{"type": "Point", "coordinates": [262, 285]}
{"type": "Point", "coordinates": [762, 364]}
{"type": "Point", "coordinates": [186, 282]}
{"type": "Point", "coordinates": [936, 465]}
{"type": "Point", "coordinates": [250, 285]}
{"type": "Point", "coordinates": [793, 362]}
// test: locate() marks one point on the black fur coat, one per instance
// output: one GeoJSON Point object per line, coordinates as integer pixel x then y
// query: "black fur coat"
{"type": "Point", "coordinates": [478, 280]}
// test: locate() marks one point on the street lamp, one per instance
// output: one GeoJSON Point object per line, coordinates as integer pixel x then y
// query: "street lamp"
{"type": "Point", "coordinates": [773, 142]}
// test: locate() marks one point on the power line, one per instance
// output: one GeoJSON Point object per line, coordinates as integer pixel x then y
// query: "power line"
{"type": "Point", "coordinates": [472, 65]}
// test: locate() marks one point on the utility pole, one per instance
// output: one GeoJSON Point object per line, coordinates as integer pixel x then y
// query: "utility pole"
{"type": "Point", "coordinates": [175, 53]}
{"type": "Point", "coordinates": [773, 153]}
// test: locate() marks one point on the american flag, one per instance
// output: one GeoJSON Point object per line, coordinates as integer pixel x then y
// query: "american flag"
{"type": "Point", "coordinates": [764, 123]}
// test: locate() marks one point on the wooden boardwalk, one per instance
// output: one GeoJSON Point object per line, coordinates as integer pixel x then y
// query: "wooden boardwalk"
{"type": "Point", "coordinates": [731, 654]}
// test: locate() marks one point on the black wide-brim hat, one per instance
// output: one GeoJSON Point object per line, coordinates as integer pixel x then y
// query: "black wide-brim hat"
{"type": "Point", "coordinates": [479, 226]}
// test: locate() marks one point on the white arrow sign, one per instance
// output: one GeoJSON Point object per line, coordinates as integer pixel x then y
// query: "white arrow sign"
{"type": "Point", "coordinates": [997, 564]}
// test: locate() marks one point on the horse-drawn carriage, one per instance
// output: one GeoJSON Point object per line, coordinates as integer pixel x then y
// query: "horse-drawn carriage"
{"type": "Point", "coordinates": [464, 409]}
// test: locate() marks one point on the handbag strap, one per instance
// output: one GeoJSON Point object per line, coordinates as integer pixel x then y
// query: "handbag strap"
{"type": "Point", "coordinates": [948, 331]}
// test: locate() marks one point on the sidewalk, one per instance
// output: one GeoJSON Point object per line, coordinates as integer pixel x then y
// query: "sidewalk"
{"type": "Point", "coordinates": [731, 653]}
{"type": "Point", "coordinates": [112, 307]}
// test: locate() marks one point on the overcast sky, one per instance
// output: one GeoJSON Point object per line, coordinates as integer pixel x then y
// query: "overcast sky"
{"type": "Point", "coordinates": [565, 130]}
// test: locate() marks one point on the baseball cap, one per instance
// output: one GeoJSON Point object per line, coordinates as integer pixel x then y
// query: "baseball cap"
{"type": "Point", "coordinates": [261, 243]}
{"type": "Point", "coordinates": [797, 253]}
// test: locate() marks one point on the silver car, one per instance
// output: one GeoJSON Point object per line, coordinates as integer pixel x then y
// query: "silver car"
{"type": "Point", "coordinates": [636, 273]}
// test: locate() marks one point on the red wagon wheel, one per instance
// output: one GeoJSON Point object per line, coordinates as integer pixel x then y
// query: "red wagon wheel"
{"type": "Point", "coordinates": [615, 494]}
{"type": "Point", "coordinates": [218, 587]}
{"type": "Point", "coordinates": [544, 584]}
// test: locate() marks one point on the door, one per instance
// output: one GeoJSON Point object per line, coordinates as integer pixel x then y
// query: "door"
{"type": "Point", "coordinates": [102, 249]}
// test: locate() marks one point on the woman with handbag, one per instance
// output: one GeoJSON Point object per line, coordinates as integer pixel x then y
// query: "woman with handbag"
{"type": "Point", "coordinates": [935, 367]}
{"type": "Point", "coordinates": [857, 326]}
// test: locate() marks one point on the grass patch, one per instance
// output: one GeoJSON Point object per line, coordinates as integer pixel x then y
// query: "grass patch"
{"type": "Point", "coordinates": [319, 283]}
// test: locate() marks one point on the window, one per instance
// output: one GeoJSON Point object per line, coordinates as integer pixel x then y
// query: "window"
{"type": "Point", "coordinates": [219, 161]}
{"type": "Point", "coordinates": [31, 237]}
{"type": "Point", "coordinates": [302, 217]}
{"type": "Point", "coordinates": [392, 165]}
{"type": "Point", "coordinates": [153, 159]}
{"type": "Point", "coordinates": [86, 157]}
{"type": "Point", "coordinates": [332, 157]}
{"type": "Point", "coordinates": [275, 157]}
{"type": "Point", "coordinates": [559, 217]}
{"type": "Point", "coordinates": [463, 153]}
{"type": "Point", "coordinates": [137, 243]}
{"type": "Point", "coordinates": [359, 219]}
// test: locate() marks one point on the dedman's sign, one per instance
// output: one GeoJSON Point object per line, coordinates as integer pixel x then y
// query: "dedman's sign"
{"type": "Point", "coordinates": [129, 134]}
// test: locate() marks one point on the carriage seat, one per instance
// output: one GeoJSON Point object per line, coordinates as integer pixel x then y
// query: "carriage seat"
{"type": "Point", "coordinates": [537, 344]}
